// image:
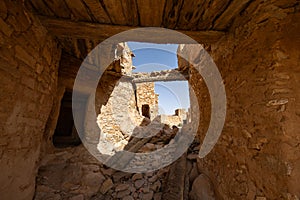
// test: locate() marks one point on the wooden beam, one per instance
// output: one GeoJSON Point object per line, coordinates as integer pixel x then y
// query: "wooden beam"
{"type": "Point", "coordinates": [85, 30]}
{"type": "Point", "coordinates": [163, 75]}
{"type": "Point", "coordinates": [153, 16]}
{"type": "Point", "coordinates": [232, 11]}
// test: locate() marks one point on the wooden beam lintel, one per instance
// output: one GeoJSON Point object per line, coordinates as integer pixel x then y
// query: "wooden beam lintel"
{"type": "Point", "coordinates": [95, 31]}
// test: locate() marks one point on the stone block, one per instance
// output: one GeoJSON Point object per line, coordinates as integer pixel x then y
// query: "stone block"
{"type": "Point", "coordinates": [5, 28]}
{"type": "Point", "coordinates": [107, 185]}
{"type": "Point", "coordinates": [24, 56]}
{"type": "Point", "coordinates": [47, 54]}
{"type": "Point", "coordinates": [18, 17]}
{"type": "Point", "coordinates": [3, 10]}
{"type": "Point", "coordinates": [28, 81]}
{"type": "Point", "coordinates": [202, 189]}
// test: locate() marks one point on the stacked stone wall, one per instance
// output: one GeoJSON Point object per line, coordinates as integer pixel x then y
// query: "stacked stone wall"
{"type": "Point", "coordinates": [28, 76]}
{"type": "Point", "coordinates": [256, 156]}
{"type": "Point", "coordinates": [146, 96]}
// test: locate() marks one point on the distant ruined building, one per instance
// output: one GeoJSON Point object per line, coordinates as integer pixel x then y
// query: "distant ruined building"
{"type": "Point", "coordinates": [128, 106]}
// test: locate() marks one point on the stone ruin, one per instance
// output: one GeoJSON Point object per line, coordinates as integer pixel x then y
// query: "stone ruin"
{"type": "Point", "coordinates": [255, 45]}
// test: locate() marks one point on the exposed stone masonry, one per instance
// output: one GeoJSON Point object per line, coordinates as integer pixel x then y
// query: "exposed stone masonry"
{"type": "Point", "coordinates": [146, 96]}
{"type": "Point", "coordinates": [255, 45]}
{"type": "Point", "coordinates": [29, 59]}
{"type": "Point", "coordinates": [254, 158]}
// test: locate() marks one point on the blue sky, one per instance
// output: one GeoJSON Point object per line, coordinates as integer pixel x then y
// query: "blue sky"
{"type": "Point", "coordinates": [154, 57]}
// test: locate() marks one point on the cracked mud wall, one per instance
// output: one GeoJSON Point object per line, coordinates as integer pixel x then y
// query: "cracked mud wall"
{"type": "Point", "coordinates": [257, 155]}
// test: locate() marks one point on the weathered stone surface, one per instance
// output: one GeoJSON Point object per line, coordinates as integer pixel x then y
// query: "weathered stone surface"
{"type": "Point", "coordinates": [256, 156]}
{"type": "Point", "coordinates": [24, 116]}
{"type": "Point", "coordinates": [122, 194]}
{"type": "Point", "coordinates": [128, 198]}
{"type": "Point", "coordinates": [139, 183]}
{"type": "Point", "coordinates": [174, 186]}
{"type": "Point", "coordinates": [241, 152]}
{"type": "Point", "coordinates": [137, 177]}
{"type": "Point", "coordinates": [202, 189]}
{"type": "Point", "coordinates": [5, 28]}
{"type": "Point", "coordinates": [121, 187]}
{"type": "Point", "coordinates": [145, 95]}
{"type": "Point", "coordinates": [146, 196]}
{"type": "Point", "coordinates": [24, 56]}
{"type": "Point", "coordinates": [78, 197]}
{"type": "Point", "coordinates": [157, 196]}
{"type": "Point", "coordinates": [107, 185]}
{"type": "Point", "coordinates": [156, 186]}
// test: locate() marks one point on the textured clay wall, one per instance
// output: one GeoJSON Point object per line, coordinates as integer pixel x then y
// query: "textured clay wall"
{"type": "Point", "coordinates": [28, 78]}
{"type": "Point", "coordinates": [257, 156]}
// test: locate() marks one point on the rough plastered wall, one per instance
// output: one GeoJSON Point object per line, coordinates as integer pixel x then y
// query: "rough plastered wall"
{"type": "Point", "coordinates": [257, 156]}
{"type": "Point", "coordinates": [28, 78]}
{"type": "Point", "coordinates": [146, 95]}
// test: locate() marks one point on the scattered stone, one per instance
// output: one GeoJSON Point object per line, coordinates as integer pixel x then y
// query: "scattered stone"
{"type": "Point", "coordinates": [137, 176]}
{"type": "Point", "coordinates": [157, 196]}
{"type": "Point", "coordinates": [132, 189]}
{"type": "Point", "coordinates": [48, 196]}
{"type": "Point", "coordinates": [192, 156]}
{"type": "Point", "coordinates": [145, 189]}
{"type": "Point", "coordinates": [139, 183]}
{"type": "Point", "coordinates": [260, 198]}
{"type": "Point", "coordinates": [146, 196]}
{"type": "Point", "coordinates": [153, 179]}
{"type": "Point", "coordinates": [149, 174]}
{"type": "Point", "coordinates": [119, 175]}
{"type": "Point", "coordinates": [156, 186]}
{"type": "Point", "coordinates": [122, 194]}
{"type": "Point", "coordinates": [77, 197]}
{"type": "Point", "coordinates": [135, 195]}
{"type": "Point", "coordinates": [93, 179]}
{"type": "Point", "coordinates": [107, 185]}
{"type": "Point", "coordinates": [150, 146]}
{"type": "Point", "coordinates": [108, 171]}
{"type": "Point", "coordinates": [202, 189]}
{"type": "Point", "coordinates": [43, 188]}
{"type": "Point", "coordinates": [128, 198]}
{"type": "Point", "coordinates": [121, 187]}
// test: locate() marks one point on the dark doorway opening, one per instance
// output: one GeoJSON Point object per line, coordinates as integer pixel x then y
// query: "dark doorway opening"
{"type": "Point", "coordinates": [146, 110]}
{"type": "Point", "coordinates": [65, 133]}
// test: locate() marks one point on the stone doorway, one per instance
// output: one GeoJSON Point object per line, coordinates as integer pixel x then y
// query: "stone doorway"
{"type": "Point", "coordinates": [146, 110]}
{"type": "Point", "coordinates": [65, 132]}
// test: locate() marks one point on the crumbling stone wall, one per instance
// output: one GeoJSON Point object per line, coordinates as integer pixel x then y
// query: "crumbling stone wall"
{"type": "Point", "coordinates": [257, 156]}
{"type": "Point", "coordinates": [118, 118]}
{"type": "Point", "coordinates": [29, 66]}
{"type": "Point", "coordinates": [146, 96]}
{"type": "Point", "coordinates": [171, 120]}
